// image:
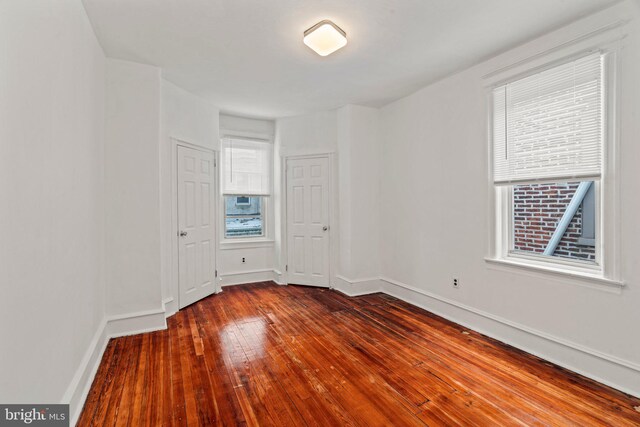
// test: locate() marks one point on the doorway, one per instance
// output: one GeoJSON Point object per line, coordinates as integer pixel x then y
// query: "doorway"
{"type": "Point", "coordinates": [308, 228]}
{"type": "Point", "coordinates": [196, 224]}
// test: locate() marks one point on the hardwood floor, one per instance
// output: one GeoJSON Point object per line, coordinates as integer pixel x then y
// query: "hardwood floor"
{"type": "Point", "coordinates": [263, 354]}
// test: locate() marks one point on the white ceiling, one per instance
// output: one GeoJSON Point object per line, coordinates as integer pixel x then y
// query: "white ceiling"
{"type": "Point", "coordinates": [247, 56]}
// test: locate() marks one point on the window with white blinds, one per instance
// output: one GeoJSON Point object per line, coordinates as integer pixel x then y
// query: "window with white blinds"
{"type": "Point", "coordinates": [246, 167]}
{"type": "Point", "coordinates": [549, 126]}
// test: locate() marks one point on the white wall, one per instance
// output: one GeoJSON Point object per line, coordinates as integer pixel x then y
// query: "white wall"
{"type": "Point", "coordinates": [132, 189]}
{"type": "Point", "coordinates": [51, 185]}
{"type": "Point", "coordinates": [247, 125]}
{"type": "Point", "coordinates": [258, 257]}
{"type": "Point", "coordinates": [359, 193]}
{"type": "Point", "coordinates": [191, 119]}
{"type": "Point", "coordinates": [435, 217]}
{"type": "Point", "coordinates": [311, 133]}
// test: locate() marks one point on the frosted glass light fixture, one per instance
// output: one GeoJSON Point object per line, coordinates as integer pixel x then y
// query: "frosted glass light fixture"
{"type": "Point", "coordinates": [325, 38]}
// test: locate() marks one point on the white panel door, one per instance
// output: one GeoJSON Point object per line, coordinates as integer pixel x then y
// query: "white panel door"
{"type": "Point", "coordinates": [308, 221]}
{"type": "Point", "coordinates": [196, 225]}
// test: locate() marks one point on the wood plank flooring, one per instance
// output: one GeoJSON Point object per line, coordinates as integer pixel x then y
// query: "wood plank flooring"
{"type": "Point", "coordinates": [263, 354]}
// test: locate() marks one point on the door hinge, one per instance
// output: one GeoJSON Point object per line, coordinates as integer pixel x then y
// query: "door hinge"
{"type": "Point", "coordinates": [215, 163]}
{"type": "Point", "coordinates": [286, 267]}
{"type": "Point", "coordinates": [216, 273]}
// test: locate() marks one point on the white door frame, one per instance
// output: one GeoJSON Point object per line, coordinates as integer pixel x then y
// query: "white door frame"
{"type": "Point", "coordinates": [333, 211]}
{"type": "Point", "coordinates": [175, 274]}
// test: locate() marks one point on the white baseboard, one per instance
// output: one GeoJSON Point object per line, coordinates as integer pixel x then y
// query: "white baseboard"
{"type": "Point", "coordinates": [170, 307]}
{"type": "Point", "coordinates": [607, 369]}
{"type": "Point", "coordinates": [358, 287]}
{"type": "Point", "coordinates": [78, 389]}
{"type": "Point", "coordinates": [278, 277]}
{"type": "Point", "coordinates": [250, 276]}
{"type": "Point", "coordinates": [110, 327]}
{"type": "Point", "coordinates": [136, 323]}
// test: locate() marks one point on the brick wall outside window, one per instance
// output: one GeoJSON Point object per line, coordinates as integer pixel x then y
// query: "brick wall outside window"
{"type": "Point", "coordinates": [537, 209]}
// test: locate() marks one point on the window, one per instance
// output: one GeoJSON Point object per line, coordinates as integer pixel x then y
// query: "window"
{"type": "Point", "coordinates": [243, 216]}
{"type": "Point", "coordinates": [548, 143]}
{"type": "Point", "coordinates": [246, 184]}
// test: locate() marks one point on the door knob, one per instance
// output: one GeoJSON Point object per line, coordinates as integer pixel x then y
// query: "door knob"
{"type": "Point", "coordinates": [325, 228]}
{"type": "Point", "coordinates": [183, 234]}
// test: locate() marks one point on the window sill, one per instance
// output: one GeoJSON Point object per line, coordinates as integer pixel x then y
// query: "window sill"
{"type": "Point", "coordinates": [241, 243]}
{"type": "Point", "coordinates": [584, 278]}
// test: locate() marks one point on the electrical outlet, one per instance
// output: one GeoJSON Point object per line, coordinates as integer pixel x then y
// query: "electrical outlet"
{"type": "Point", "coordinates": [455, 283]}
{"type": "Point", "coordinates": [243, 260]}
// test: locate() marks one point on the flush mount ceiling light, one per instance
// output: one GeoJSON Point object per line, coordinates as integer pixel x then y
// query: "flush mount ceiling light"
{"type": "Point", "coordinates": [325, 38]}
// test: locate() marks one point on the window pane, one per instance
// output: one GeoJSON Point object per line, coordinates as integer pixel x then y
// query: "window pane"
{"type": "Point", "coordinates": [243, 216]}
{"type": "Point", "coordinates": [542, 211]}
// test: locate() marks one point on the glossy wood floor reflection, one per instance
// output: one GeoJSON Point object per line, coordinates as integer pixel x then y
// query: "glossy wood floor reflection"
{"type": "Point", "coordinates": [263, 354]}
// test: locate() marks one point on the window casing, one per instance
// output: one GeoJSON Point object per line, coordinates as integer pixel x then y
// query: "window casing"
{"type": "Point", "coordinates": [549, 135]}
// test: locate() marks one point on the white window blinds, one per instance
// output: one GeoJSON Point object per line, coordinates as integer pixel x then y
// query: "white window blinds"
{"type": "Point", "coordinates": [246, 167]}
{"type": "Point", "coordinates": [550, 125]}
